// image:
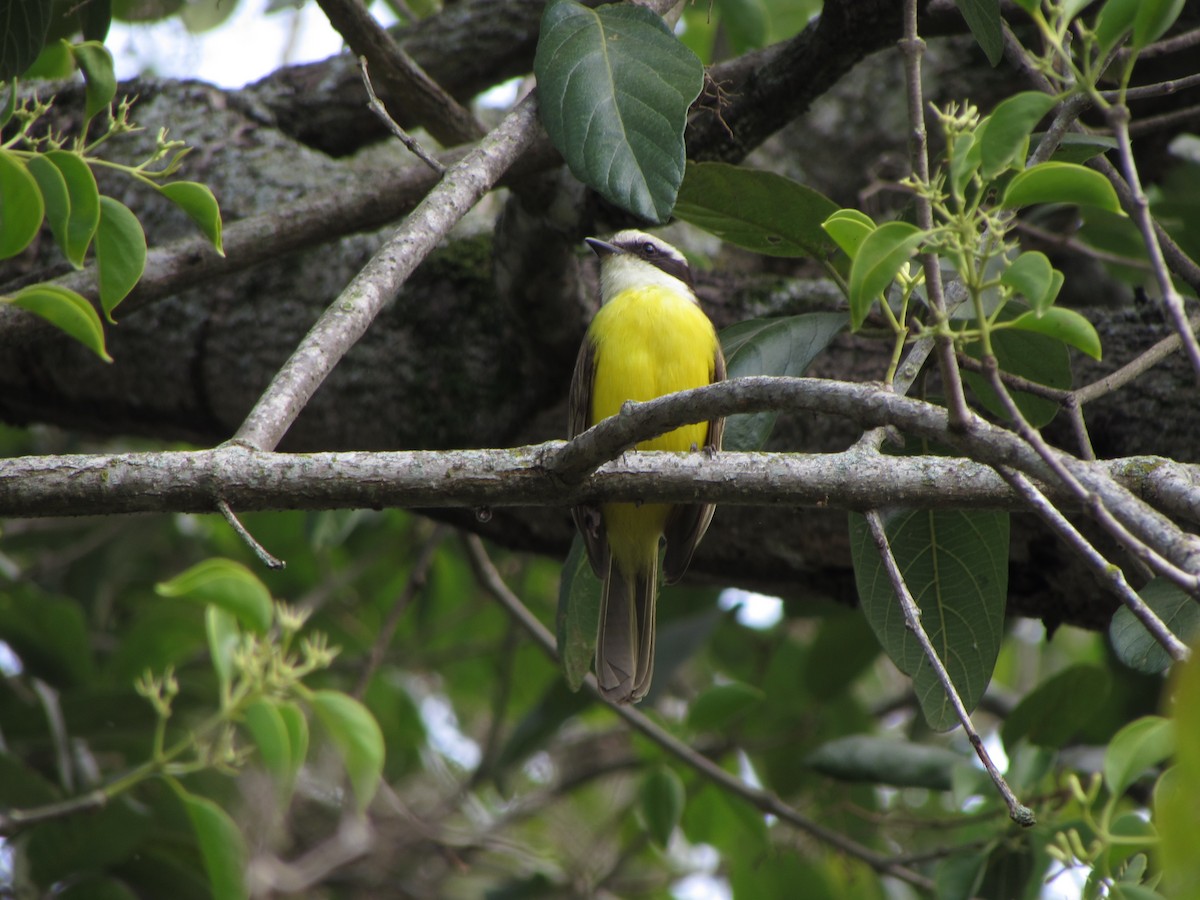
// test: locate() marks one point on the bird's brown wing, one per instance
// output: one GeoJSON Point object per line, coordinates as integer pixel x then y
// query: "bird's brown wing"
{"type": "Point", "coordinates": [686, 524]}
{"type": "Point", "coordinates": [586, 515]}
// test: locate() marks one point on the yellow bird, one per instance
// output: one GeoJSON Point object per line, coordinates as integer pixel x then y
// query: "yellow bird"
{"type": "Point", "coordinates": [649, 338]}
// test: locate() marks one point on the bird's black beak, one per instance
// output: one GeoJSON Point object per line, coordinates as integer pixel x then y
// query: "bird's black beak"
{"type": "Point", "coordinates": [601, 248]}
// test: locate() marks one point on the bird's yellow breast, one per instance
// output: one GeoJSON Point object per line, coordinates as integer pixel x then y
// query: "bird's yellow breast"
{"type": "Point", "coordinates": [649, 341]}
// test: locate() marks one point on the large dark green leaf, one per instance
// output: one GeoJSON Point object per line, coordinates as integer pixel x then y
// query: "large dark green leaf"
{"type": "Point", "coordinates": [221, 845]}
{"type": "Point", "coordinates": [783, 346]}
{"type": "Point", "coordinates": [1034, 357]}
{"type": "Point", "coordinates": [1057, 709]}
{"type": "Point", "coordinates": [760, 211]}
{"type": "Point", "coordinates": [877, 760]}
{"type": "Point", "coordinates": [578, 615]}
{"type": "Point", "coordinates": [24, 24]}
{"type": "Point", "coordinates": [614, 87]}
{"type": "Point", "coordinates": [1137, 647]}
{"type": "Point", "coordinates": [983, 18]}
{"type": "Point", "coordinates": [955, 564]}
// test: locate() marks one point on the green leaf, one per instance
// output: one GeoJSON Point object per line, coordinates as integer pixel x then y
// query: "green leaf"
{"type": "Point", "coordinates": [760, 211]}
{"type": "Point", "coordinates": [55, 62]}
{"type": "Point", "coordinates": [958, 877]}
{"type": "Point", "coordinates": [1177, 814]}
{"type": "Point", "coordinates": [843, 647]}
{"type": "Point", "coordinates": [746, 23]}
{"type": "Point", "coordinates": [49, 634]}
{"type": "Point", "coordinates": [545, 718]}
{"type": "Point", "coordinates": [578, 615]}
{"type": "Point", "coordinates": [72, 201]}
{"type": "Point", "coordinates": [21, 206]}
{"type": "Point", "coordinates": [1141, 744]}
{"type": "Point", "coordinates": [1113, 22]}
{"type": "Point", "coordinates": [95, 887]}
{"type": "Point", "coordinates": [1135, 646]}
{"type": "Point", "coordinates": [1057, 709]}
{"type": "Point", "coordinates": [66, 311]}
{"type": "Point", "coordinates": [783, 346]}
{"type": "Point", "coordinates": [662, 798]}
{"type": "Point", "coordinates": [1060, 182]}
{"type": "Point", "coordinates": [965, 162]}
{"type": "Point", "coordinates": [26, 23]}
{"type": "Point", "coordinates": [1008, 128]}
{"type": "Point", "coordinates": [1062, 324]}
{"type": "Point", "coordinates": [728, 823]}
{"type": "Point", "coordinates": [226, 584]}
{"type": "Point", "coordinates": [1079, 148]}
{"type": "Point", "coordinates": [224, 636]}
{"type": "Point", "coordinates": [120, 253]}
{"type": "Point", "coordinates": [1031, 276]}
{"type": "Point", "coordinates": [722, 705]}
{"type": "Point", "coordinates": [879, 259]}
{"type": "Point", "coordinates": [614, 87]}
{"type": "Point", "coordinates": [1035, 357]}
{"type": "Point", "coordinates": [849, 228]}
{"type": "Point", "coordinates": [201, 206]}
{"type": "Point", "coordinates": [1153, 19]}
{"type": "Point", "coordinates": [877, 760]}
{"type": "Point", "coordinates": [95, 17]}
{"type": "Point", "coordinates": [222, 847]}
{"type": "Point", "coordinates": [358, 740]}
{"type": "Point", "coordinates": [955, 564]}
{"type": "Point", "coordinates": [270, 734]}
{"type": "Point", "coordinates": [983, 18]}
{"type": "Point", "coordinates": [96, 63]}
{"type": "Point", "coordinates": [296, 726]}
{"type": "Point", "coordinates": [59, 849]}
{"type": "Point", "coordinates": [85, 204]}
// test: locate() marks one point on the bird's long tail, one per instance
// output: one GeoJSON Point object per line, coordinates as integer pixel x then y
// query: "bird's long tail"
{"type": "Point", "coordinates": [625, 645]}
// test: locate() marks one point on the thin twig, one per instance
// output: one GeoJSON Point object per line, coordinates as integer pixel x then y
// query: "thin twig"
{"type": "Point", "coordinates": [377, 107]}
{"type": "Point", "coordinates": [1109, 575]}
{"type": "Point", "coordinates": [412, 586]}
{"type": "Point", "coordinates": [271, 562]}
{"type": "Point", "coordinates": [1140, 213]}
{"type": "Point", "coordinates": [1017, 811]}
{"type": "Point", "coordinates": [757, 797]}
{"type": "Point", "coordinates": [1135, 367]}
{"type": "Point", "coordinates": [913, 48]}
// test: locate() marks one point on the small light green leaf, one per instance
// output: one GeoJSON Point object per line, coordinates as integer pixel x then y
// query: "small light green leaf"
{"type": "Point", "coordinates": [358, 740]}
{"type": "Point", "coordinates": [1066, 325]}
{"type": "Point", "coordinates": [578, 615]}
{"type": "Point", "coordinates": [614, 87]}
{"type": "Point", "coordinates": [662, 799]}
{"type": "Point", "coordinates": [21, 206]}
{"type": "Point", "coordinates": [877, 263]}
{"type": "Point", "coordinates": [270, 734]}
{"type": "Point", "coordinates": [877, 760]}
{"type": "Point", "coordinates": [227, 584]}
{"type": "Point", "coordinates": [983, 18]}
{"type": "Point", "coordinates": [221, 845]}
{"type": "Point", "coordinates": [96, 63]}
{"type": "Point", "coordinates": [1031, 276]}
{"type": "Point", "coordinates": [201, 206]}
{"type": "Point", "coordinates": [722, 705]}
{"type": "Point", "coordinates": [955, 564]}
{"type": "Point", "coordinates": [1141, 744]}
{"type": "Point", "coordinates": [848, 228]}
{"type": "Point", "coordinates": [1057, 709]}
{"type": "Point", "coordinates": [1153, 19]}
{"type": "Point", "coordinates": [221, 629]}
{"type": "Point", "coordinates": [1008, 128]}
{"type": "Point", "coordinates": [1113, 22]}
{"type": "Point", "coordinates": [120, 253]}
{"type": "Point", "coordinates": [54, 195]}
{"type": "Point", "coordinates": [1060, 182]}
{"type": "Point", "coordinates": [965, 161]}
{"type": "Point", "coordinates": [760, 211]}
{"type": "Point", "coordinates": [784, 346]}
{"type": "Point", "coordinates": [66, 311]}
{"type": "Point", "coordinates": [297, 731]}
{"type": "Point", "coordinates": [26, 23]}
{"type": "Point", "coordinates": [85, 204]}
{"type": "Point", "coordinates": [1135, 646]}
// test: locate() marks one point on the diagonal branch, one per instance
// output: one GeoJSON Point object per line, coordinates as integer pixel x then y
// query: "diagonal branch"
{"type": "Point", "coordinates": [349, 316]}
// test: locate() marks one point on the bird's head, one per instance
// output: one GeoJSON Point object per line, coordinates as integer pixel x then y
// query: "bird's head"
{"type": "Point", "coordinates": [634, 259]}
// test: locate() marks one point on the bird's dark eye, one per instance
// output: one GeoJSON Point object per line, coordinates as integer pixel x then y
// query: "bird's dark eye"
{"type": "Point", "coordinates": [648, 249]}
